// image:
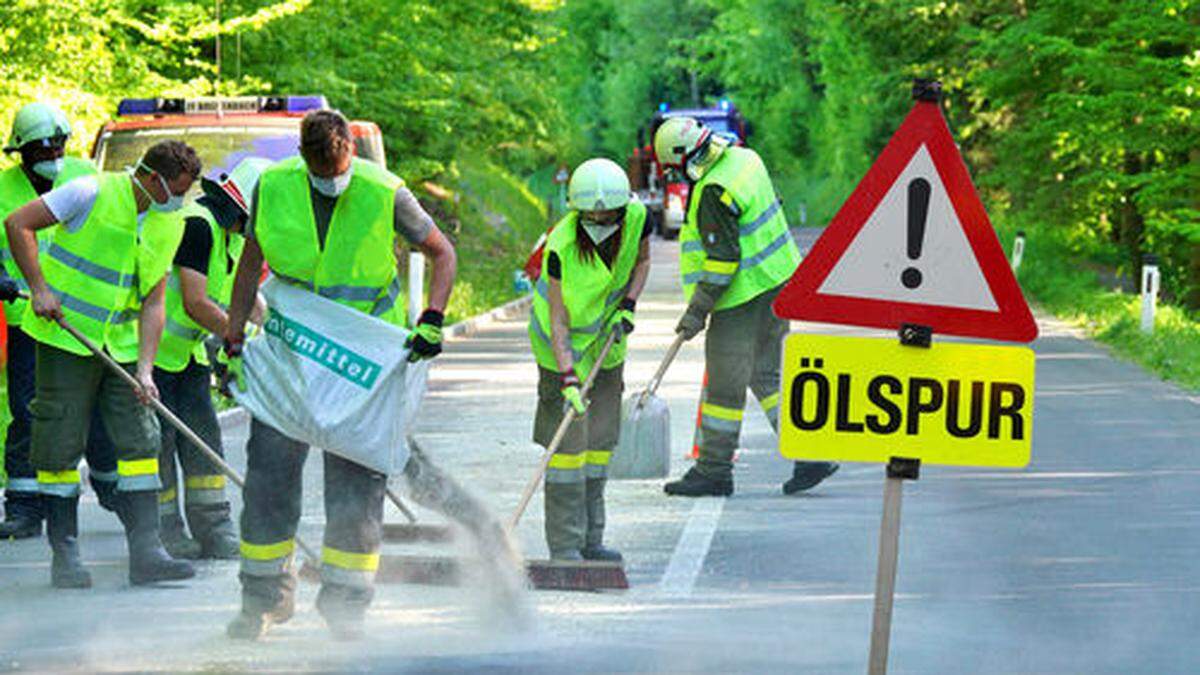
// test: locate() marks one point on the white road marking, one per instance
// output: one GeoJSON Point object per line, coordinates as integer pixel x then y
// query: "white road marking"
{"type": "Point", "coordinates": [692, 549]}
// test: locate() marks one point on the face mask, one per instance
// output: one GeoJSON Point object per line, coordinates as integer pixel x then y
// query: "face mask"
{"type": "Point", "coordinates": [173, 203]}
{"type": "Point", "coordinates": [599, 233]}
{"type": "Point", "coordinates": [332, 187]}
{"type": "Point", "coordinates": [48, 169]}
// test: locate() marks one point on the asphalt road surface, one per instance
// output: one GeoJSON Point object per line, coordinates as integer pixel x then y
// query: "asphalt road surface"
{"type": "Point", "coordinates": [1085, 562]}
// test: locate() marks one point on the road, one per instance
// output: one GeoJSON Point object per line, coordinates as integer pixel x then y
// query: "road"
{"type": "Point", "coordinates": [1084, 562]}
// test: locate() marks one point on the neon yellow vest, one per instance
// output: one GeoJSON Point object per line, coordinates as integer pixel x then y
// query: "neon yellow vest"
{"type": "Point", "coordinates": [182, 337]}
{"type": "Point", "coordinates": [92, 270]}
{"type": "Point", "coordinates": [357, 266]}
{"type": "Point", "coordinates": [769, 255]}
{"type": "Point", "coordinates": [15, 192]}
{"type": "Point", "coordinates": [591, 292]}
{"type": "Point", "coordinates": [157, 244]}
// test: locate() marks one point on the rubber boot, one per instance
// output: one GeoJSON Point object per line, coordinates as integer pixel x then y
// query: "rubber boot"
{"type": "Point", "coordinates": [149, 562]}
{"type": "Point", "coordinates": [106, 493]}
{"type": "Point", "coordinates": [344, 609]}
{"type": "Point", "coordinates": [566, 519]}
{"type": "Point", "coordinates": [696, 484]}
{"type": "Point", "coordinates": [252, 625]}
{"type": "Point", "coordinates": [807, 475]}
{"type": "Point", "coordinates": [22, 516]}
{"type": "Point", "coordinates": [175, 540]}
{"type": "Point", "coordinates": [62, 529]}
{"type": "Point", "coordinates": [593, 548]}
{"type": "Point", "coordinates": [213, 528]}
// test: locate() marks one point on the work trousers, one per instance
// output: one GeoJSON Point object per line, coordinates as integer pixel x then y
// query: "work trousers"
{"type": "Point", "coordinates": [271, 514]}
{"type": "Point", "coordinates": [67, 389]}
{"type": "Point", "coordinates": [742, 349]}
{"type": "Point", "coordinates": [575, 478]}
{"type": "Point", "coordinates": [187, 394]}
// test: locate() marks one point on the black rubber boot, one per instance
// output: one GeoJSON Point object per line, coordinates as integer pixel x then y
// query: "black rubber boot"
{"type": "Point", "coordinates": [175, 539]}
{"type": "Point", "coordinates": [594, 548]}
{"type": "Point", "coordinates": [62, 529]}
{"type": "Point", "coordinates": [807, 475]}
{"type": "Point", "coordinates": [695, 484]}
{"type": "Point", "coordinates": [344, 609]}
{"type": "Point", "coordinates": [149, 562]}
{"type": "Point", "coordinates": [20, 525]}
{"type": "Point", "coordinates": [214, 531]}
{"type": "Point", "coordinates": [106, 493]}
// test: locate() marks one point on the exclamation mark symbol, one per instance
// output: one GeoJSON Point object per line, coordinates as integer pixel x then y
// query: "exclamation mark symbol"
{"type": "Point", "coordinates": [918, 209]}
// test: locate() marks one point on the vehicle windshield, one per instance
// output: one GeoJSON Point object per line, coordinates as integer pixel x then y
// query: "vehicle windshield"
{"type": "Point", "coordinates": [220, 147]}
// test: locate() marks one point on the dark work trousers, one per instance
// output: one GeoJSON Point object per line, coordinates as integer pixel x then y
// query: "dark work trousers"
{"type": "Point", "coordinates": [187, 394]}
{"type": "Point", "coordinates": [21, 495]}
{"type": "Point", "coordinates": [742, 349]}
{"type": "Point", "coordinates": [271, 513]}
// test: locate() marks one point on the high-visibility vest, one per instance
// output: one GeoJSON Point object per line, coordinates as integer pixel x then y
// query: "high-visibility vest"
{"type": "Point", "coordinates": [769, 255]}
{"type": "Point", "coordinates": [15, 192]}
{"type": "Point", "coordinates": [94, 273]}
{"type": "Point", "coordinates": [591, 292]}
{"type": "Point", "coordinates": [357, 265]}
{"type": "Point", "coordinates": [182, 336]}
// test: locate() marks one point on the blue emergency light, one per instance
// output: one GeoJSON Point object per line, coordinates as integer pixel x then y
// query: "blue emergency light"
{"type": "Point", "coordinates": [724, 104]}
{"type": "Point", "coordinates": [663, 107]}
{"type": "Point", "coordinates": [214, 105]}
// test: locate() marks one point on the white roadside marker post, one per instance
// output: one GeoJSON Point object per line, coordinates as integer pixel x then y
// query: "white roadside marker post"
{"type": "Point", "coordinates": [1018, 250]}
{"type": "Point", "coordinates": [416, 287]}
{"type": "Point", "coordinates": [1150, 284]}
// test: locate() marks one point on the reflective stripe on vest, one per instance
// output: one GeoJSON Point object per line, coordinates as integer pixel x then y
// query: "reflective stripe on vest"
{"type": "Point", "coordinates": [768, 254]}
{"type": "Point", "coordinates": [356, 266]}
{"type": "Point", "coordinates": [93, 270]}
{"type": "Point", "coordinates": [15, 192]}
{"type": "Point", "coordinates": [591, 292]}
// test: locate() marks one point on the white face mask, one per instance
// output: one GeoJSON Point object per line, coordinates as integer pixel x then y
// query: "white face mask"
{"type": "Point", "coordinates": [173, 203]}
{"type": "Point", "coordinates": [599, 233]}
{"type": "Point", "coordinates": [332, 187]}
{"type": "Point", "coordinates": [48, 169]}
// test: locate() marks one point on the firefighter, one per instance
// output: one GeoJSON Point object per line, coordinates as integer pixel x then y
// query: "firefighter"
{"type": "Point", "coordinates": [595, 266]}
{"type": "Point", "coordinates": [736, 252]}
{"type": "Point", "coordinates": [39, 136]}
{"type": "Point", "coordinates": [198, 292]}
{"type": "Point", "coordinates": [326, 222]}
{"type": "Point", "coordinates": [104, 273]}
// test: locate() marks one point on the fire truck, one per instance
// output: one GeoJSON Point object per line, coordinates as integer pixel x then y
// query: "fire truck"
{"type": "Point", "coordinates": [665, 193]}
{"type": "Point", "coordinates": [223, 130]}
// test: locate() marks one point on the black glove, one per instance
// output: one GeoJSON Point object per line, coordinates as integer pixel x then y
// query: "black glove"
{"type": "Point", "coordinates": [9, 290]}
{"type": "Point", "coordinates": [426, 339]}
{"type": "Point", "coordinates": [621, 321]}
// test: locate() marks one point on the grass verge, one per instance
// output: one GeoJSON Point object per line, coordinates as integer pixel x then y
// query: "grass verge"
{"type": "Point", "coordinates": [1053, 274]}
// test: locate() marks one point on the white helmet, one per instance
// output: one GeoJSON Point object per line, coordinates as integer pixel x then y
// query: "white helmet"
{"type": "Point", "coordinates": [37, 122]}
{"type": "Point", "coordinates": [239, 183]}
{"type": "Point", "coordinates": [598, 185]}
{"type": "Point", "coordinates": [678, 139]}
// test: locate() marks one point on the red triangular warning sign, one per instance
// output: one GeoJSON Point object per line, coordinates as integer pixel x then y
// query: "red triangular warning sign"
{"type": "Point", "coordinates": [912, 244]}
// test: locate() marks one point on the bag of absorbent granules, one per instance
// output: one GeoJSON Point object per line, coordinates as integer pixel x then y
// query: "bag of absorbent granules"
{"type": "Point", "coordinates": [333, 377]}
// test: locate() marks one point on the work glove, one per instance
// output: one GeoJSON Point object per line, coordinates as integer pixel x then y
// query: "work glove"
{"type": "Point", "coordinates": [9, 290]}
{"type": "Point", "coordinates": [425, 341]}
{"type": "Point", "coordinates": [572, 394]}
{"type": "Point", "coordinates": [691, 323]}
{"type": "Point", "coordinates": [697, 312]}
{"type": "Point", "coordinates": [229, 368]}
{"type": "Point", "coordinates": [621, 321]}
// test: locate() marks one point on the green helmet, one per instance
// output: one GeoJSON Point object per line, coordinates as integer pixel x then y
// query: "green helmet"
{"type": "Point", "coordinates": [598, 185]}
{"type": "Point", "coordinates": [37, 122]}
{"type": "Point", "coordinates": [678, 139]}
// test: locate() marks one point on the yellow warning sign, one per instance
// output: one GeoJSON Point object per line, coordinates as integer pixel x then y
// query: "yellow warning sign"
{"type": "Point", "coordinates": [860, 399]}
